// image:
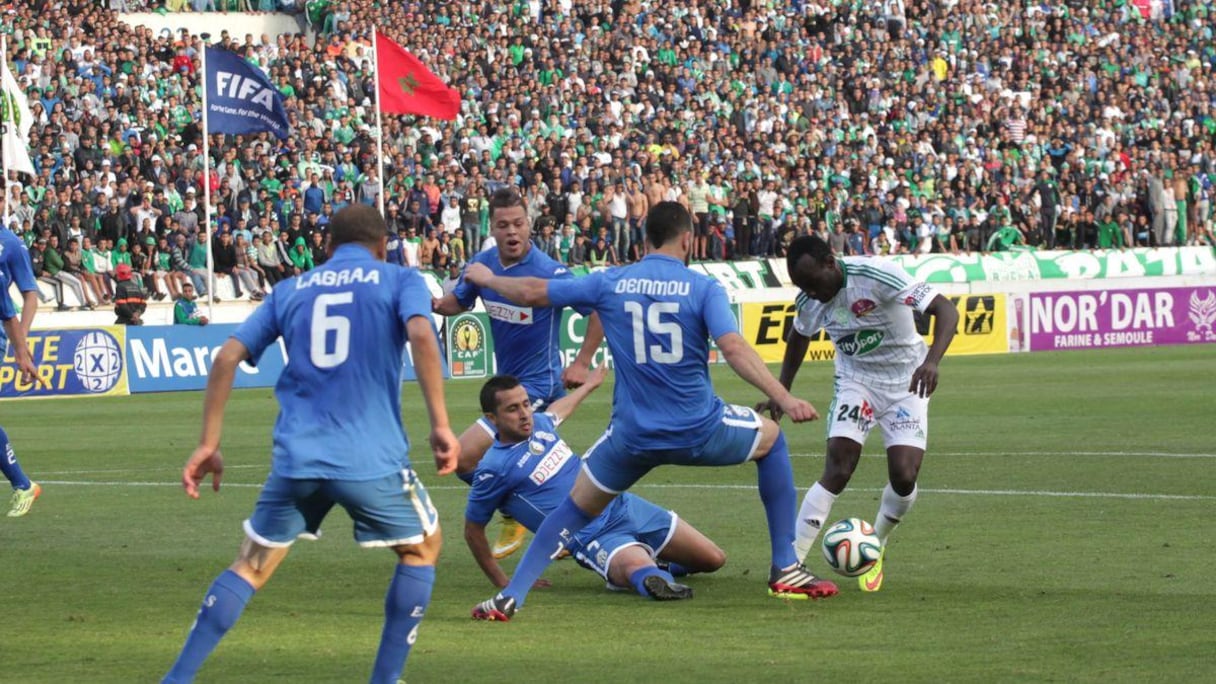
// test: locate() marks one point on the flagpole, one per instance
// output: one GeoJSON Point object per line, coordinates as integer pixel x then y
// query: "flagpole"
{"type": "Point", "coordinates": [12, 121]}
{"type": "Point", "coordinates": [379, 124]}
{"type": "Point", "coordinates": [205, 37]}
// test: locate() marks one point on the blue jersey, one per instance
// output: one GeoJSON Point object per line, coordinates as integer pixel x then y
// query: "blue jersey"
{"type": "Point", "coordinates": [343, 324]}
{"type": "Point", "coordinates": [527, 340]}
{"type": "Point", "coordinates": [15, 261]}
{"type": "Point", "coordinates": [658, 318]}
{"type": "Point", "coordinates": [7, 310]}
{"type": "Point", "coordinates": [528, 479]}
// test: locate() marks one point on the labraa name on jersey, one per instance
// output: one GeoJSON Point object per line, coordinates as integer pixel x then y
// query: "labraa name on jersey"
{"type": "Point", "coordinates": [345, 276]}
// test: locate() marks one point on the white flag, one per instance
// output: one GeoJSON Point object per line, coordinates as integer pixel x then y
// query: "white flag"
{"type": "Point", "coordinates": [17, 119]}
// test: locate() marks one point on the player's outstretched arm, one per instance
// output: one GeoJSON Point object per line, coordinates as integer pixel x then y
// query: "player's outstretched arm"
{"type": "Point", "coordinates": [748, 365]}
{"type": "Point", "coordinates": [945, 322]}
{"type": "Point", "coordinates": [564, 407]}
{"type": "Point", "coordinates": [206, 457]}
{"type": "Point", "coordinates": [522, 291]}
{"type": "Point", "coordinates": [576, 373]}
{"type": "Point", "coordinates": [429, 370]}
{"type": "Point", "coordinates": [446, 305]}
{"type": "Point", "coordinates": [21, 349]}
{"type": "Point", "coordinates": [479, 546]}
{"type": "Point", "coordinates": [795, 351]}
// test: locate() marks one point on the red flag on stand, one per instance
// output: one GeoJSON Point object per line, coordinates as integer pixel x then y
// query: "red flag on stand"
{"type": "Point", "coordinates": [407, 87]}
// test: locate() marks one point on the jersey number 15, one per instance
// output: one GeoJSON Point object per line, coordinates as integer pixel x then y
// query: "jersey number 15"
{"type": "Point", "coordinates": [650, 320]}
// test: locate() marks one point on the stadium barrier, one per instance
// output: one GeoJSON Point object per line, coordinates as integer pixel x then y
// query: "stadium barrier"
{"type": "Point", "coordinates": [115, 360]}
{"type": "Point", "coordinates": [1140, 317]}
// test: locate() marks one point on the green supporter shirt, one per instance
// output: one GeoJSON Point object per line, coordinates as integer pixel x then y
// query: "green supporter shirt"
{"type": "Point", "coordinates": [1109, 235]}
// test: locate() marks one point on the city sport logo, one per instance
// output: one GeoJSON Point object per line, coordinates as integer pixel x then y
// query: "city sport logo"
{"type": "Point", "coordinates": [468, 355]}
{"type": "Point", "coordinates": [97, 362]}
{"type": "Point", "coordinates": [860, 343]}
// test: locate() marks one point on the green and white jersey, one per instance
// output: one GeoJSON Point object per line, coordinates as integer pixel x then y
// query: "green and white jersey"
{"type": "Point", "coordinates": [871, 323]}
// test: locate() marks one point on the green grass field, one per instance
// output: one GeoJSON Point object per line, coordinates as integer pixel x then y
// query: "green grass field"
{"type": "Point", "coordinates": [1063, 533]}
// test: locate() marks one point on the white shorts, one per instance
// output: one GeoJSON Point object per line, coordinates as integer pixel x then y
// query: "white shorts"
{"type": "Point", "coordinates": [902, 416]}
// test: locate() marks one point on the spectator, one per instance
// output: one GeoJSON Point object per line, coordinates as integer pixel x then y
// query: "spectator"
{"type": "Point", "coordinates": [185, 309]}
{"type": "Point", "coordinates": [129, 299]}
{"type": "Point", "coordinates": [301, 257]}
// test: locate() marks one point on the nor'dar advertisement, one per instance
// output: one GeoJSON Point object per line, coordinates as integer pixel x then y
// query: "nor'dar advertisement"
{"type": "Point", "coordinates": [1121, 318]}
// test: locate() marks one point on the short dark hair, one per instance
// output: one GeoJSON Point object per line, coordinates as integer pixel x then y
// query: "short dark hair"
{"type": "Point", "coordinates": [807, 245]}
{"type": "Point", "coordinates": [360, 224]}
{"type": "Point", "coordinates": [490, 390]}
{"type": "Point", "coordinates": [665, 222]}
{"type": "Point", "coordinates": [505, 198]}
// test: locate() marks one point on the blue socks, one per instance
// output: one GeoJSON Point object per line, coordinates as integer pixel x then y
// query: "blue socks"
{"type": "Point", "coordinates": [780, 501]}
{"type": "Point", "coordinates": [9, 466]}
{"type": "Point", "coordinates": [222, 606]}
{"type": "Point", "coordinates": [551, 537]}
{"type": "Point", "coordinates": [677, 570]}
{"type": "Point", "coordinates": [641, 574]}
{"type": "Point", "coordinates": [404, 605]}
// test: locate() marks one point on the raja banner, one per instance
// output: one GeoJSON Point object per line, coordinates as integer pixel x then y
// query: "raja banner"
{"type": "Point", "coordinates": [88, 362]}
{"type": "Point", "coordinates": [982, 328]}
{"type": "Point", "coordinates": [174, 358]}
{"type": "Point", "coordinates": [1122, 318]}
{"type": "Point", "coordinates": [1079, 265]}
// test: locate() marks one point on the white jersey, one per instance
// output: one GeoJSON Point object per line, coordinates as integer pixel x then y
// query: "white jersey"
{"type": "Point", "coordinates": [871, 323]}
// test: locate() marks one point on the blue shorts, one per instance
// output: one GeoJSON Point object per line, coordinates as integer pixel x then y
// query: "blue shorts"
{"type": "Point", "coordinates": [628, 521]}
{"type": "Point", "coordinates": [614, 466]}
{"type": "Point", "coordinates": [390, 511]}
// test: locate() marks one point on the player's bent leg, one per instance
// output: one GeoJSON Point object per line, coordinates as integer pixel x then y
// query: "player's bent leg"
{"type": "Point", "coordinates": [903, 467]}
{"type": "Point", "coordinates": [405, 604]}
{"type": "Point", "coordinates": [842, 458]}
{"type": "Point", "coordinates": [633, 566]}
{"type": "Point", "coordinates": [689, 551]}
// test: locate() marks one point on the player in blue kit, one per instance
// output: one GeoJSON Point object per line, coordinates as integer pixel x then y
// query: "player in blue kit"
{"type": "Point", "coordinates": [338, 438]}
{"type": "Point", "coordinates": [15, 267]}
{"type": "Point", "coordinates": [658, 317]}
{"type": "Point", "coordinates": [526, 339]}
{"type": "Point", "coordinates": [529, 471]}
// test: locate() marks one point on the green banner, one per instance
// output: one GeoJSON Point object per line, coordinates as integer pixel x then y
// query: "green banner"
{"type": "Point", "coordinates": [1079, 265]}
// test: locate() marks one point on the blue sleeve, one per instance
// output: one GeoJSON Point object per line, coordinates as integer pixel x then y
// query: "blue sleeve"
{"type": "Point", "coordinates": [7, 310]}
{"type": "Point", "coordinates": [466, 293]}
{"type": "Point", "coordinates": [563, 273]}
{"type": "Point", "coordinates": [576, 293]}
{"type": "Point", "coordinates": [719, 319]}
{"type": "Point", "coordinates": [260, 330]}
{"type": "Point", "coordinates": [490, 490]}
{"type": "Point", "coordinates": [21, 268]}
{"type": "Point", "coordinates": [413, 296]}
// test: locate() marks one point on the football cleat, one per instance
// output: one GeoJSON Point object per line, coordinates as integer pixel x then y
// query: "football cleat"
{"type": "Point", "coordinates": [660, 589]}
{"type": "Point", "coordinates": [872, 580]}
{"type": "Point", "coordinates": [23, 499]}
{"type": "Point", "coordinates": [796, 582]}
{"type": "Point", "coordinates": [498, 609]}
{"type": "Point", "coordinates": [510, 538]}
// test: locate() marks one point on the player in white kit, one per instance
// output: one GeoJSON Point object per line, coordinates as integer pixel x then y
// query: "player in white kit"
{"type": "Point", "coordinates": [884, 375]}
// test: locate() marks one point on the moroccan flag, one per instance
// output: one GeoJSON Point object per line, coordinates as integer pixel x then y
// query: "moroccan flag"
{"type": "Point", "coordinates": [16, 118]}
{"type": "Point", "coordinates": [407, 87]}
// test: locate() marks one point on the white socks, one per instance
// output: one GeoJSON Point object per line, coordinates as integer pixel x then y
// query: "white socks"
{"type": "Point", "coordinates": [892, 510]}
{"type": "Point", "coordinates": [812, 516]}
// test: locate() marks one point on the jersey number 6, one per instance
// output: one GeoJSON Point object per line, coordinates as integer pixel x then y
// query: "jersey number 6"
{"type": "Point", "coordinates": [323, 324]}
{"type": "Point", "coordinates": [651, 321]}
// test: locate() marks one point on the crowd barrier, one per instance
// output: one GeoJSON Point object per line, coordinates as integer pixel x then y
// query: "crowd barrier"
{"type": "Point", "coordinates": [117, 360]}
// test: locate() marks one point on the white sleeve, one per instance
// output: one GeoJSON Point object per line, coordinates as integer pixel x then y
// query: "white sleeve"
{"type": "Point", "coordinates": [808, 318]}
{"type": "Point", "coordinates": [902, 287]}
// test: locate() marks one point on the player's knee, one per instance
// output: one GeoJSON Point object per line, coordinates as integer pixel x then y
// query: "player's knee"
{"type": "Point", "coordinates": [903, 478]}
{"type": "Point", "coordinates": [425, 552]}
{"type": "Point", "coordinates": [713, 560]}
{"type": "Point", "coordinates": [769, 432]}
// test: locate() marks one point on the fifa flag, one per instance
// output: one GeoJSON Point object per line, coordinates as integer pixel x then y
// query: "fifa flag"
{"type": "Point", "coordinates": [17, 120]}
{"type": "Point", "coordinates": [240, 99]}
{"type": "Point", "coordinates": [405, 86]}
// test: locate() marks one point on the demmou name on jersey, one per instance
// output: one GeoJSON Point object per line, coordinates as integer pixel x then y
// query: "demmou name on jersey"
{"type": "Point", "coordinates": [346, 276]}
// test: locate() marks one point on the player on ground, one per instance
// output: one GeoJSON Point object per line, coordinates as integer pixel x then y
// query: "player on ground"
{"type": "Point", "coordinates": [338, 438]}
{"type": "Point", "coordinates": [658, 317]}
{"type": "Point", "coordinates": [530, 469]}
{"type": "Point", "coordinates": [526, 339]}
{"type": "Point", "coordinates": [884, 376]}
{"type": "Point", "coordinates": [15, 267]}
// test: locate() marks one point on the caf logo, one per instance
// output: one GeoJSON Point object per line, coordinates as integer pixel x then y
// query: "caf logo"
{"type": "Point", "coordinates": [468, 336]}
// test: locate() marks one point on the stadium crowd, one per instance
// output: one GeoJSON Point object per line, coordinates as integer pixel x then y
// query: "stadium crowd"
{"type": "Point", "coordinates": [886, 126]}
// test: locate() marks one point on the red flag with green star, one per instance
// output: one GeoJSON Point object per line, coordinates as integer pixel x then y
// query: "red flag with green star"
{"type": "Point", "coordinates": [407, 87]}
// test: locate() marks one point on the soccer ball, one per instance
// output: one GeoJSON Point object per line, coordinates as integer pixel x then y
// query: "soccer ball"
{"type": "Point", "coordinates": [850, 547]}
